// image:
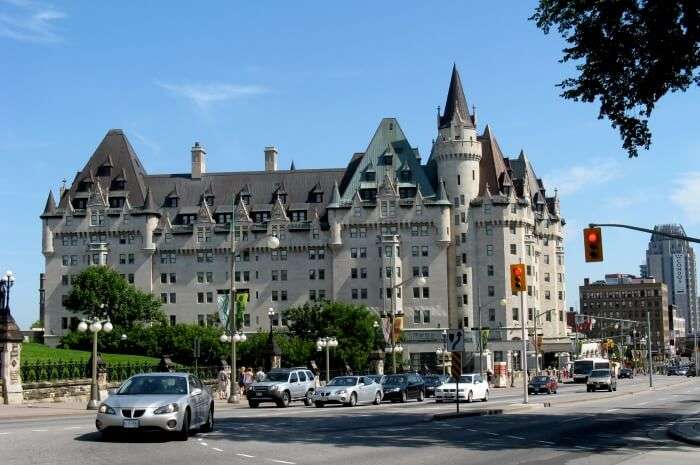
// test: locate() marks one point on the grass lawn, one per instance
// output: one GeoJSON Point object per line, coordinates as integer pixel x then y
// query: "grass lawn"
{"type": "Point", "coordinates": [32, 351]}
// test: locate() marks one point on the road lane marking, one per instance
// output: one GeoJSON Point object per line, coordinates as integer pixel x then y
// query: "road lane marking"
{"type": "Point", "coordinates": [246, 456]}
{"type": "Point", "coordinates": [203, 444]}
{"type": "Point", "coordinates": [612, 410]}
{"type": "Point", "coordinates": [643, 403]}
{"type": "Point", "coordinates": [515, 437]}
{"type": "Point", "coordinates": [573, 419]}
{"type": "Point", "coordinates": [39, 430]}
{"type": "Point", "coordinates": [217, 449]}
{"type": "Point", "coordinates": [282, 461]}
{"type": "Point", "coordinates": [471, 430]}
{"type": "Point", "coordinates": [3, 434]}
{"type": "Point", "coordinates": [490, 433]}
{"type": "Point", "coordinates": [73, 427]}
{"type": "Point", "coordinates": [549, 443]}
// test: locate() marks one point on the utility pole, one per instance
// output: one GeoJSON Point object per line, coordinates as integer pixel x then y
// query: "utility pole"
{"type": "Point", "coordinates": [523, 312]}
{"type": "Point", "coordinates": [651, 366]}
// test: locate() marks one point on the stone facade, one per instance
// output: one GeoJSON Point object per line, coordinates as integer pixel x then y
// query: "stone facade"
{"type": "Point", "coordinates": [359, 234]}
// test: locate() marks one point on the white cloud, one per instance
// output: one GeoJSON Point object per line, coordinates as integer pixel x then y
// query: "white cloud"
{"type": "Point", "coordinates": [203, 95]}
{"type": "Point", "coordinates": [685, 194]}
{"type": "Point", "coordinates": [626, 201]}
{"type": "Point", "coordinates": [29, 21]}
{"type": "Point", "coordinates": [573, 179]}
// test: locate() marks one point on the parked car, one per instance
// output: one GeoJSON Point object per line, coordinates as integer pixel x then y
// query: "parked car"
{"type": "Point", "coordinates": [349, 391]}
{"type": "Point", "coordinates": [691, 371]}
{"type": "Point", "coordinates": [601, 379]}
{"type": "Point", "coordinates": [471, 387]}
{"type": "Point", "coordinates": [542, 383]}
{"type": "Point", "coordinates": [432, 382]}
{"type": "Point", "coordinates": [172, 402]}
{"type": "Point", "coordinates": [283, 386]}
{"type": "Point", "coordinates": [626, 373]}
{"type": "Point", "coordinates": [377, 378]}
{"type": "Point", "coordinates": [400, 388]}
{"type": "Point", "coordinates": [677, 370]}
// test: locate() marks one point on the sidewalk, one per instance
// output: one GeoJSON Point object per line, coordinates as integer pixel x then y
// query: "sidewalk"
{"type": "Point", "coordinates": [44, 410]}
{"type": "Point", "coordinates": [687, 430]}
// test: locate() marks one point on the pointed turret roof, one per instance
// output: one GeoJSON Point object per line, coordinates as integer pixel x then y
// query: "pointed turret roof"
{"type": "Point", "coordinates": [335, 197]}
{"type": "Point", "coordinates": [50, 207]}
{"type": "Point", "coordinates": [149, 204]}
{"type": "Point", "coordinates": [292, 167]}
{"type": "Point", "coordinates": [456, 103]}
{"type": "Point", "coordinates": [442, 194]}
{"type": "Point", "coordinates": [492, 165]}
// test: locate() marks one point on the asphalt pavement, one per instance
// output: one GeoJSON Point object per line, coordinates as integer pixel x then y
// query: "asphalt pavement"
{"type": "Point", "coordinates": [625, 427]}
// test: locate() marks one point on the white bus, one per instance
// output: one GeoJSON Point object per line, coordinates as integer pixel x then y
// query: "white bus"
{"type": "Point", "coordinates": [584, 366]}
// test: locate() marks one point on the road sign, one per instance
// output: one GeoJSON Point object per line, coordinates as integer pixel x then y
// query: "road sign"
{"type": "Point", "coordinates": [456, 368]}
{"type": "Point", "coordinates": [455, 340]}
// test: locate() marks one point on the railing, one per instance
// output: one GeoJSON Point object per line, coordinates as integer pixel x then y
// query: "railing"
{"type": "Point", "coordinates": [50, 371]}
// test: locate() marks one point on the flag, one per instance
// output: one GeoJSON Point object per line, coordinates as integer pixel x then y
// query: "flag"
{"type": "Point", "coordinates": [222, 305]}
{"type": "Point", "coordinates": [386, 329]}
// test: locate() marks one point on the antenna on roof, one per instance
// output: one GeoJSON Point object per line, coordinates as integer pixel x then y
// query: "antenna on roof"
{"type": "Point", "coordinates": [63, 188]}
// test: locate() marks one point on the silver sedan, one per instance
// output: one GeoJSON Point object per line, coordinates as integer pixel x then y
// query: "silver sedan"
{"type": "Point", "coordinates": [172, 402]}
{"type": "Point", "coordinates": [349, 391]}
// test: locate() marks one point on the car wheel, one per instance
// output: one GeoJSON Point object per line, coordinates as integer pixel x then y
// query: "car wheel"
{"type": "Point", "coordinates": [318, 404]}
{"type": "Point", "coordinates": [184, 433]}
{"type": "Point", "coordinates": [353, 400]}
{"type": "Point", "coordinates": [377, 398]}
{"type": "Point", "coordinates": [610, 389]}
{"type": "Point", "coordinates": [470, 397]}
{"type": "Point", "coordinates": [209, 425]}
{"type": "Point", "coordinates": [555, 391]}
{"type": "Point", "coordinates": [486, 396]}
{"type": "Point", "coordinates": [404, 397]}
{"type": "Point", "coordinates": [615, 388]}
{"type": "Point", "coordinates": [253, 404]}
{"type": "Point", "coordinates": [307, 400]}
{"type": "Point", "coordinates": [286, 400]}
{"type": "Point", "coordinates": [421, 396]}
{"type": "Point", "coordinates": [549, 391]}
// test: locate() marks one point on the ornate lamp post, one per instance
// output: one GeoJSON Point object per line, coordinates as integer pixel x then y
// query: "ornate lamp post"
{"type": "Point", "coordinates": [327, 343]}
{"type": "Point", "coordinates": [235, 394]}
{"type": "Point", "coordinates": [95, 325]}
{"type": "Point", "coordinates": [394, 349]}
{"type": "Point", "coordinates": [6, 283]}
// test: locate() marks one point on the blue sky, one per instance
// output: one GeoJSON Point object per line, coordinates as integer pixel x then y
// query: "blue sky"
{"type": "Point", "coordinates": [313, 78]}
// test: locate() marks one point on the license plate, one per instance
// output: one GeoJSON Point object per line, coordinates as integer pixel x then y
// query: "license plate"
{"type": "Point", "coordinates": [259, 394]}
{"type": "Point", "coordinates": [130, 424]}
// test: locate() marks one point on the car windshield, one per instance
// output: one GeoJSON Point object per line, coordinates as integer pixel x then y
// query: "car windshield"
{"type": "Point", "coordinates": [600, 373]}
{"type": "Point", "coordinates": [153, 385]}
{"type": "Point", "coordinates": [540, 379]}
{"type": "Point", "coordinates": [582, 368]}
{"type": "Point", "coordinates": [343, 381]}
{"type": "Point", "coordinates": [395, 380]}
{"type": "Point", "coordinates": [277, 376]}
{"type": "Point", "coordinates": [462, 379]}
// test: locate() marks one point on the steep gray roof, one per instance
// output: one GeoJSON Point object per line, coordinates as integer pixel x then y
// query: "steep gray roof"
{"type": "Point", "coordinates": [492, 167]}
{"type": "Point", "coordinates": [456, 103]}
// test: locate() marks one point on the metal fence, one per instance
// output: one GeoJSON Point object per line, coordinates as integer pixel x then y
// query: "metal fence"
{"type": "Point", "coordinates": [50, 371]}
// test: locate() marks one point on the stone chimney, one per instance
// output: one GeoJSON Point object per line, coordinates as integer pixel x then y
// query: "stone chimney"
{"type": "Point", "coordinates": [586, 281]}
{"type": "Point", "coordinates": [271, 158]}
{"type": "Point", "coordinates": [199, 167]}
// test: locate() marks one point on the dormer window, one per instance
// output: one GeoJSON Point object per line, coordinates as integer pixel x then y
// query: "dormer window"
{"type": "Point", "coordinates": [407, 192]}
{"type": "Point", "coordinates": [369, 195]}
{"type": "Point", "coordinates": [317, 197]}
{"type": "Point", "coordinates": [370, 176]}
{"type": "Point", "coordinates": [79, 204]}
{"type": "Point", "coordinates": [104, 170]}
{"type": "Point", "coordinates": [282, 198]}
{"type": "Point", "coordinates": [85, 185]}
{"type": "Point", "coordinates": [387, 160]}
{"type": "Point", "coordinates": [187, 219]}
{"type": "Point", "coordinates": [209, 199]}
{"type": "Point", "coordinates": [245, 198]}
{"type": "Point", "coordinates": [172, 202]}
{"type": "Point", "coordinates": [116, 202]}
{"type": "Point", "coordinates": [118, 185]}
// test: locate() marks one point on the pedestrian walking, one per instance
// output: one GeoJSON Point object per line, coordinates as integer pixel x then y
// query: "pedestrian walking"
{"type": "Point", "coordinates": [224, 379]}
{"type": "Point", "coordinates": [260, 375]}
{"type": "Point", "coordinates": [248, 379]}
{"type": "Point", "coordinates": [241, 379]}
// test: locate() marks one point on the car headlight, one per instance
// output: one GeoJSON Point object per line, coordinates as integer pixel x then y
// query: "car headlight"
{"type": "Point", "coordinates": [170, 408]}
{"type": "Point", "coordinates": [104, 408]}
{"type": "Point", "coordinates": [274, 387]}
{"type": "Point", "coordinates": [341, 391]}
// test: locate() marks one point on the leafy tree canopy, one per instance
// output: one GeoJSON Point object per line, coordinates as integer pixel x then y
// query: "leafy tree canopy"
{"type": "Point", "coordinates": [351, 324]}
{"type": "Point", "coordinates": [629, 53]}
{"type": "Point", "coordinates": [124, 304]}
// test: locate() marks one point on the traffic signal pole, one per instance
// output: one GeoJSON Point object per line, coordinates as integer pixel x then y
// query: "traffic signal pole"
{"type": "Point", "coordinates": [523, 312]}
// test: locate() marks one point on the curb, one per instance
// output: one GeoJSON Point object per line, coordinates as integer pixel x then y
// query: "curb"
{"type": "Point", "coordinates": [680, 432]}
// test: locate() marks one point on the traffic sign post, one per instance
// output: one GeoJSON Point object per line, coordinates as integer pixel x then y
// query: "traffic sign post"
{"type": "Point", "coordinates": [455, 340]}
{"type": "Point", "coordinates": [456, 371]}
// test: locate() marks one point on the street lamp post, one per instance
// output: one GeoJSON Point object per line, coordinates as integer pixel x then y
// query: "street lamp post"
{"type": "Point", "coordinates": [327, 343]}
{"type": "Point", "coordinates": [233, 338]}
{"type": "Point", "coordinates": [95, 325]}
{"type": "Point", "coordinates": [397, 349]}
{"type": "Point", "coordinates": [537, 350]}
{"type": "Point", "coordinates": [6, 283]}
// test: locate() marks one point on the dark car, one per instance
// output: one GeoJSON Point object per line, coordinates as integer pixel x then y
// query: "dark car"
{"type": "Point", "coordinates": [625, 373]}
{"type": "Point", "coordinates": [540, 384]}
{"type": "Point", "coordinates": [400, 388]}
{"type": "Point", "coordinates": [379, 379]}
{"type": "Point", "coordinates": [691, 371]}
{"type": "Point", "coordinates": [432, 382]}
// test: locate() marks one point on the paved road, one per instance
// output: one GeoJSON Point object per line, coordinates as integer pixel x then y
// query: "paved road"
{"type": "Point", "coordinates": [579, 428]}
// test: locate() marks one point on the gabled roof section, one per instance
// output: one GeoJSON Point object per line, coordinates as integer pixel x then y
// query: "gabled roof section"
{"type": "Point", "coordinates": [116, 150]}
{"type": "Point", "coordinates": [388, 134]}
{"type": "Point", "coordinates": [456, 108]}
{"type": "Point", "coordinates": [492, 167]}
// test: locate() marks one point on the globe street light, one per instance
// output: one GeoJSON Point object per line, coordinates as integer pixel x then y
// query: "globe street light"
{"type": "Point", "coordinates": [238, 336]}
{"type": "Point", "coordinates": [95, 325]}
{"type": "Point", "coordinates": [327, 343]}
{"type": "Point", "coordinates": [6, 283]}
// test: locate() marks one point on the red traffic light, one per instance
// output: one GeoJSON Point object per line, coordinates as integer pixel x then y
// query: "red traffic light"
{"type": "Point", "coordinates": [593, 244]}
{"type": "Point", "coordinates": [518, 271]}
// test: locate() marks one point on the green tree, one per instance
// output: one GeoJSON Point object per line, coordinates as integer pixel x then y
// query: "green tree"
{"type": "Point", "coordinates": [125, 305]}
{"type": "Point", "coordinates": [629, 53]}
{"type": "Point", "coordinates": [351, 324]}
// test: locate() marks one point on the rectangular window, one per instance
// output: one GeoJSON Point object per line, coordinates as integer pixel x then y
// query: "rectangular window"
{"type": "Point", "coordinates": [424, 251]}
{"type": "Point", "coordinates": [416, 292]}
{"type": "Point", "coordinates": [416, 316]}
{"type": "Point", "coordinates": [513, 249]}
{"type": "Point", "coordinates": [547, 295]}
{"type": "Point", "coordinates": [321, 294]}
{"type": "Point", "coordinates": [489, 250]}
{"type": "Point", "coordinates": [210, 297]}
{"type": "Point", "coordinates": [321, 274]}
{"type": "Point", "coordinates": [516, 313]}
{"type": "Point", "coordinates": [530, 313]}
{"type": "Point", "coordinates": [312, 294]}
{"type": "Point", "coordinates": [173, 298]}
{"type": "Point", "coordinates": [354, 294]}
{"type": "Point", "coordinates": [489, 270]}
{"type": "Point", "coordinates": [164, 298]}
{"type": "Point", "coordinates": [275, 275]}
{"type": "Point", "coordinates": [122, 259]}
{"type": "Point", "coordinates": [131, 278]}
{"type": "Point", "coordinates": [275, 297]}
{"type": "Point", "coordinates": [548, 316]}
{"type": "Point", "coordinates": [363, 252]}
{"type": "Point", "coordinates": [246, 320]}
{"type": "Point", "coordinates": [353, 253]}
{"type": "Point", "coordinates": [546, 259]}
{"type": "Point", "coordinates": [200, 297]}
{"type": "Point", "coordinates": [492, 314]}
{"type": "Point", "coordinates": [173, 320]}
{"type": "Point", "coordinates": [164, 278]}
{"type": "Point", "coordinates": [363, 293]}
{"type": "Point", "coordinates": [492, 291]}
{"type": "Point", "coordinates": [415, 250]}
{"type": "Point", "coordinates": [546, 277]}
{"type": "Point", "coordinates": [426, 292]}
{"type": "Point", "coordinates": [488, 230]}
{"type": "Point", "coordinates": [131, 259]}
{"type": "Point", "coordinates": [512, 228]}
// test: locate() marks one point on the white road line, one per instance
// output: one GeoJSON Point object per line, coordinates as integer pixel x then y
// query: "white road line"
{"type": "Point", "coordinates": [490, 433]}
{"type": "Point", "coordinates": [246, 456]}
{"type": "Point", "coordinates": [612, 410]}
{"type": "Point", "coordinates": [515, 437]}
{"type": "Point", "coordinates": [3, 434]}
{"type": "Point", "coordinates": [217, 449]}
{"type": "Point", "coordinates": [643, 403]}
{"type": "Point", "coordinates": [471, 430]}
{"type": "Point", "coordinates": [549, 443]}
{"type": "Point", "coordinates": [573, 419]}
{"type": "Point", "coordinates": [74, 427]}
{"type": "Point", "coordinates": [203, 444]}
{"type": "Point", "coordinates": [282, 461]}
{"type": "Point", "coordinates": [39, 430]}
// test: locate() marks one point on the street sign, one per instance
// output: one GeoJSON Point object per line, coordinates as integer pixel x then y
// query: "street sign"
{"type": "Point", "coordinates": [455, 340]}
{"type": "Point", "coordinates": [456, 368]}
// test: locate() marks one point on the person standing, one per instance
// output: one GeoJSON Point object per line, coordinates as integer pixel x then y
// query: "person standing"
{"type": "Point", "coordinates": [224, 379]}
{"type": "Point", "coordinates": [241, 379]}
{"type": "Point", "coordinates": [248, 379]}
{"type": "Point", "coordinates": [260, 375]}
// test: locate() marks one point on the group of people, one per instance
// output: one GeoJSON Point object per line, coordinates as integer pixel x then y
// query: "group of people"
{"type": "Point", "coordinates": [245, 379]}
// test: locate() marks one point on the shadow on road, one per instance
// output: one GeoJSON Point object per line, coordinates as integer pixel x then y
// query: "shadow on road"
{"type": "Point", "coordinates": [131, 438]}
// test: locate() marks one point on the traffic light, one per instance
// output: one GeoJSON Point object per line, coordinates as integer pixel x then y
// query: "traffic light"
{"type": "Point", "coordinates": [593, 244]}
{"type": "Point", "coordinates": [517, 278]}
